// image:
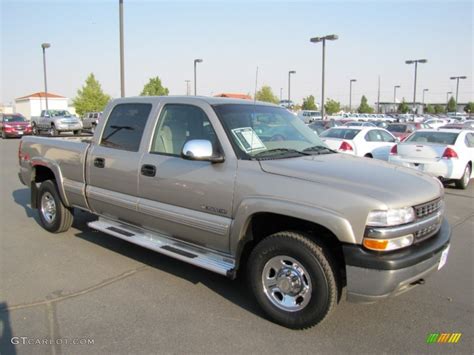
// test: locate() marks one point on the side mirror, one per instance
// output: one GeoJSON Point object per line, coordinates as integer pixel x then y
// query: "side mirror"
{"type": "Point", "coordinates": [200, 149]}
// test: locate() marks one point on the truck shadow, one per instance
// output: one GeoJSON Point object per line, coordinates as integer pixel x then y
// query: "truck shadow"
{"type": "Point", "coordinates": [236, 291]}
{"type": "Point", "coordinates": [22, 198]}
{"type": "Point", "coordinates": [6, 334]}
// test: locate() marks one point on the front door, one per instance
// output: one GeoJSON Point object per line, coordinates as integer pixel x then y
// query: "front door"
{"type": "Point", "coordinates": [184, 199]}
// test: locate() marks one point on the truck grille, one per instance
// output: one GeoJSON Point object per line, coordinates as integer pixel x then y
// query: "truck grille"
{"type": "Point", "coordinates": [428, 208]}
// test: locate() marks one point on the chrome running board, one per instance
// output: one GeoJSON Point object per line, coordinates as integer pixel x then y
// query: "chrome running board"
{"type": "Point", "coordinates": [164, 245]}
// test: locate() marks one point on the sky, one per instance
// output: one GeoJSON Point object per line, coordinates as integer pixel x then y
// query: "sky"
{"type": "Point", "coordinates": [162, 38]}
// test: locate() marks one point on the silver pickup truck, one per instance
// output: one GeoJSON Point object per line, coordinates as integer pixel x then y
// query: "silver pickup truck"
{"type": "Point", "coordinates": [56, 121]}
{"type": "Point", "coordinates": [232, 185]}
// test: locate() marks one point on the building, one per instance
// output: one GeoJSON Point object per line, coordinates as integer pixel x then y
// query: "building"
{"type": "Point", "coordinates": [234, 96]}
{"type": "Point", "coordinates": [32, 105]}
{"type": "Point", "coordinates": [392, 107]}
{"type": "Point", "coordinates": [6, 108]}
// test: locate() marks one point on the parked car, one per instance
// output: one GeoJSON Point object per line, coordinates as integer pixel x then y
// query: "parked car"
{"type": "Point", "coordinates": [190, 178]}
{"type": "Point", "coordinates": [55, 122]}
{"type": "Point", "coordinates": [445, 153]}
{"type": "Point", "coordinates": [380, 124]}
{"type": "Point", "coordinates": [14, 125]}
{"type": "Point", "coordinates": [461, 125]}
{"type": "Point", "coordinates": [320, 125]}
{"type": "Point", "coordinates": [401, 130]}
{"type": "Point", "coordinates": [369, 142]}
{"type": "Point", "coordinates": [309, 116]}
{"type": "Point", "coordinates": [436, 122]}
{"type": "Point", "coordinates": [91, 120]}
{"type": "Point", "coordinates": [359, 124]}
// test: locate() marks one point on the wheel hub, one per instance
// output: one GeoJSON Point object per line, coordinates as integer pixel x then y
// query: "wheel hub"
{"type": "Point", "coordinates": [289, 281]}
{"type": "Point", "coordinates": [48, 207]}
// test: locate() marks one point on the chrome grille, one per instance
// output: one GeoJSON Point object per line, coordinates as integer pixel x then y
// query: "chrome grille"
{"type": "Point", "coordinates": [428, 208]}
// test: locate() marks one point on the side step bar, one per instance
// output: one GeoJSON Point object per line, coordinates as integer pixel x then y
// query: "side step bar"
{"type": "Point", "coordinates": [182, 251]}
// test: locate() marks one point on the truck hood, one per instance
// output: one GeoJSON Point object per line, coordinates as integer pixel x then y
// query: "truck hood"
{"type": "Point", "coordinates": [392, 185]}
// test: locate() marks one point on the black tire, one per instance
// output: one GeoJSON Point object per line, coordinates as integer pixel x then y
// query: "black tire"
{"type": "Point", "coordinates": [368, 155]}
{"type": "Point", "coordinates": [63, 216]}
{"type": "Point", "coordinates": [318, 266]}
{"type": "Point", "coordinates": [78, 132]}
{"type": "Point", "coordinates": [53, 132]}
{"type": "Point", "coordinates": [34, 129]}
{"type": "Point", "coordinates": [4, 136]}
{"type": "Point", "coordinates": [463, 182]}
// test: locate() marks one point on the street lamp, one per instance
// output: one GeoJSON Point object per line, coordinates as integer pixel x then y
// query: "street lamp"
{"type": "Point", "coordinates": [289, 84]}
{"type": "Point", "coordinates": [195, 85]}
{"type": "Point", "coordinates": [317, 40]}
{"type": "Point", "coordinates": [415, 61]}
{"type": "Point", "coordinates": [457, 86]}
{"type": "Point", "coordinates": [350, 93]}
{"type": "Point", "coordinates": [423, 101]}
{"type": "Point", "coordinates": [122, 61]}
{"type": "Point", "coordinates": [44, 46]}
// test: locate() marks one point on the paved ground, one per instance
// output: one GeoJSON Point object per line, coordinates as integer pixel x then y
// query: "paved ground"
{"type": "Point", "coordinates": [88, 286]}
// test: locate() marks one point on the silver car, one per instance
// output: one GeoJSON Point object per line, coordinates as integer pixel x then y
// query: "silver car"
{"type": "Point", "coordinates": [55, 122]}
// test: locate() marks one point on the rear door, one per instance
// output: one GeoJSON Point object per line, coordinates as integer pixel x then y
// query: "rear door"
{"type": "Point", "coordinates": [184, 199]}
{"type": "Point", "coordinates": [113, 161]}
{"type": "Point", "coordinates": [378, 143]}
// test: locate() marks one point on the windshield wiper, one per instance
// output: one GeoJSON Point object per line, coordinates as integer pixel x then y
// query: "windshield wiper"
{"type": "Point", "coordinates": [319, 149]}
{"type": "Point", "coordinates": [278, 151]}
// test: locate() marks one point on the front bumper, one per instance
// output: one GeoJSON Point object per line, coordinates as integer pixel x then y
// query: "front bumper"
{"type": "Point", "coordinates": [372, 276]}
{"type": "Point", "coordinates": [69, 127]}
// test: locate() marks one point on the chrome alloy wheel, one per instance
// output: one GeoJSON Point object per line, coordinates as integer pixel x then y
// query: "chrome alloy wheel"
{"type": "Point", "coordinates": [48, 207]}
{"type": "Point", "coordinates": [286, 283]}
{"type": "Point", "coordinates": [467, 176]}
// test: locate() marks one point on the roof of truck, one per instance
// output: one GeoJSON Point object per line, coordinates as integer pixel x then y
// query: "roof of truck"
{"type": "Point", "coordinates": [210, 100]}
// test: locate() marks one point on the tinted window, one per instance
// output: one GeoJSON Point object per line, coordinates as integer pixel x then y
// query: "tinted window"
{"type": "Point", "coordinates": [399, 128]}
{"type": "Point", "coordinates": [470, 140]}
{"type": "Point", "coordinates": [340, 133]}
{"type": "Point", "coordinates": [13, 118]}
{"type": "Point", "coordinates": [124, 128]}
{"type": "Point", "coordinates": [433, 137]}
{"type": "Point", "coordinates": [387, 137]}
{"type": "Point", "coordinates": [177, 125]}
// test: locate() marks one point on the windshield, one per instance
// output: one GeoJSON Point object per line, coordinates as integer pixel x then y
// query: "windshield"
{"type": "Point", "coordinates": [257, 130]}
{"type": "Point", "coordinates": [13, 118]}
{"type": "Point", "coordinates": [340, 133]}
{"type": "Point", "coordinates": [59, 113]}
{"type": "Point", "coordinates": [433, 137]}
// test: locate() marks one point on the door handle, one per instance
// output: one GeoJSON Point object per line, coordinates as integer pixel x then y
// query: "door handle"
{"type": "Point", "coordinates": [99, 162]}
{"type": "Point", "coordinates": [148, 170]}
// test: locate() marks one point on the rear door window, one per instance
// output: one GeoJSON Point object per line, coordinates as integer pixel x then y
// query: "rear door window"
{"type": "Point", "coordinates": [340, 133]}
{"type": "Point", "coordinates": [125, 126]}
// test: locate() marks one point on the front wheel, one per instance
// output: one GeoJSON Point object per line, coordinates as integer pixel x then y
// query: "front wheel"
{"type": "Point", "coordinates": [294, 279]}
{"type": "Point", "coordinates": [4, 135]}
{"type": "Point", "coordinates": [77, 133]}
{"type": "Point", "coordinates": [34, 129]}
{"type": "Point", "coordinates": [55, 217]}
{"type": "Point", "coordinates": [464, 181]}
{"type": "Point", "coordinates": [53, 132]}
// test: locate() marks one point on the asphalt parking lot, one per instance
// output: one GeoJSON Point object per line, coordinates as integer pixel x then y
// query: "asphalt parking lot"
{"type": "Point", "coordinates": [86, 286]}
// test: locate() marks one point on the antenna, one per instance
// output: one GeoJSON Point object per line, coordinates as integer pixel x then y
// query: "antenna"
{"type": "Point", "coordinates": [256, 82]}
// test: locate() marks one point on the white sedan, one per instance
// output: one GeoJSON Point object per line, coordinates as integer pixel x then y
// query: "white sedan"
{"type": "Point", "coordinates": [436, 122]}
{"type": "Point", "coordinates": [445, 153]}
{"type": "Point", "coordinates": [370, 142]}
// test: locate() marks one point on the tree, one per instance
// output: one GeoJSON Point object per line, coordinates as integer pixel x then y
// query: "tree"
{"type": "Point", "coordinates": [364, 106]}
{"type": "Point", "coordinates": [91, 97]}
{"type": "Point", "coordinates": [439, 109]}
{"type": "Point", "coordinates": [469, 108]}
{"type": "Point", "coordinates": [154, 88]}
{"type": "Point", "coordinates": [266, 94]}
{"type": "Point", "coordinates": [403, 107]}
{"type": "Point", "coordinates": [452, 107]}
{"type": "Point", "coordinates": [308, 103]}
{"type": "Point", "coordinates": [429, 109]}
{"type": "Point", "coordinates": [332, 106]}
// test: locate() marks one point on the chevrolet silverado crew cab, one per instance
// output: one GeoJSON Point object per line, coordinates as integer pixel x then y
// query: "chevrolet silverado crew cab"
{"type": "Point", "coordinates": [55, 122]}
{"type": "Point", "coordinates": [231, 185]}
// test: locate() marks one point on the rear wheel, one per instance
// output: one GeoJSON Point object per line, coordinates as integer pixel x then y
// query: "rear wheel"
{"type": "Point", "coordinates": [294, 279]}
{"type": "Point", "coordinates": [368, 155]}
{"type": "Point", "coordinates": [55, 217]}
{"type": "Point", "coordinates": [464, 181]}
{"type": "Point", "coordinates": [34, 129]}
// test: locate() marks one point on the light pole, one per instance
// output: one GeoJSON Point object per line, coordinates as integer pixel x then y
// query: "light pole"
{"type": "Point", "coordinates": [289, 84]}
{"type": "Point", "coordinates": [281, 93]}
{"type": "Point", "coordinates": [395, 95]}
{"type": "Point", "coordinates": [317, 40]}
{"type": "Point", "coordinates": [187, 87]}
{"type": "Point", "coordinates": [122, 70]}
{"type": "Point", "coordinates": [44, 46]}
{"type": "Point", "coordinates": [447, 99]}
{"type": "Point", "coordinates": [415, 61]}
{"type": "Point", "coordinates": [350, 93]}
{"type": "Point", "coordinates": [457, 86]}
{"type": "Point", "coordinates": [195, 84]}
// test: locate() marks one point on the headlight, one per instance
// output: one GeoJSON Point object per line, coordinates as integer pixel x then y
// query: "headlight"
{"type": "Point", "coordinates": [392, 217]}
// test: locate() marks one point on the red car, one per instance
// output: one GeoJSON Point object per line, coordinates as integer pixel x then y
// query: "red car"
{"type": "Point", "coordinates": [403, 130]}
{"type": "Point", "coordinates": [14, 125]}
